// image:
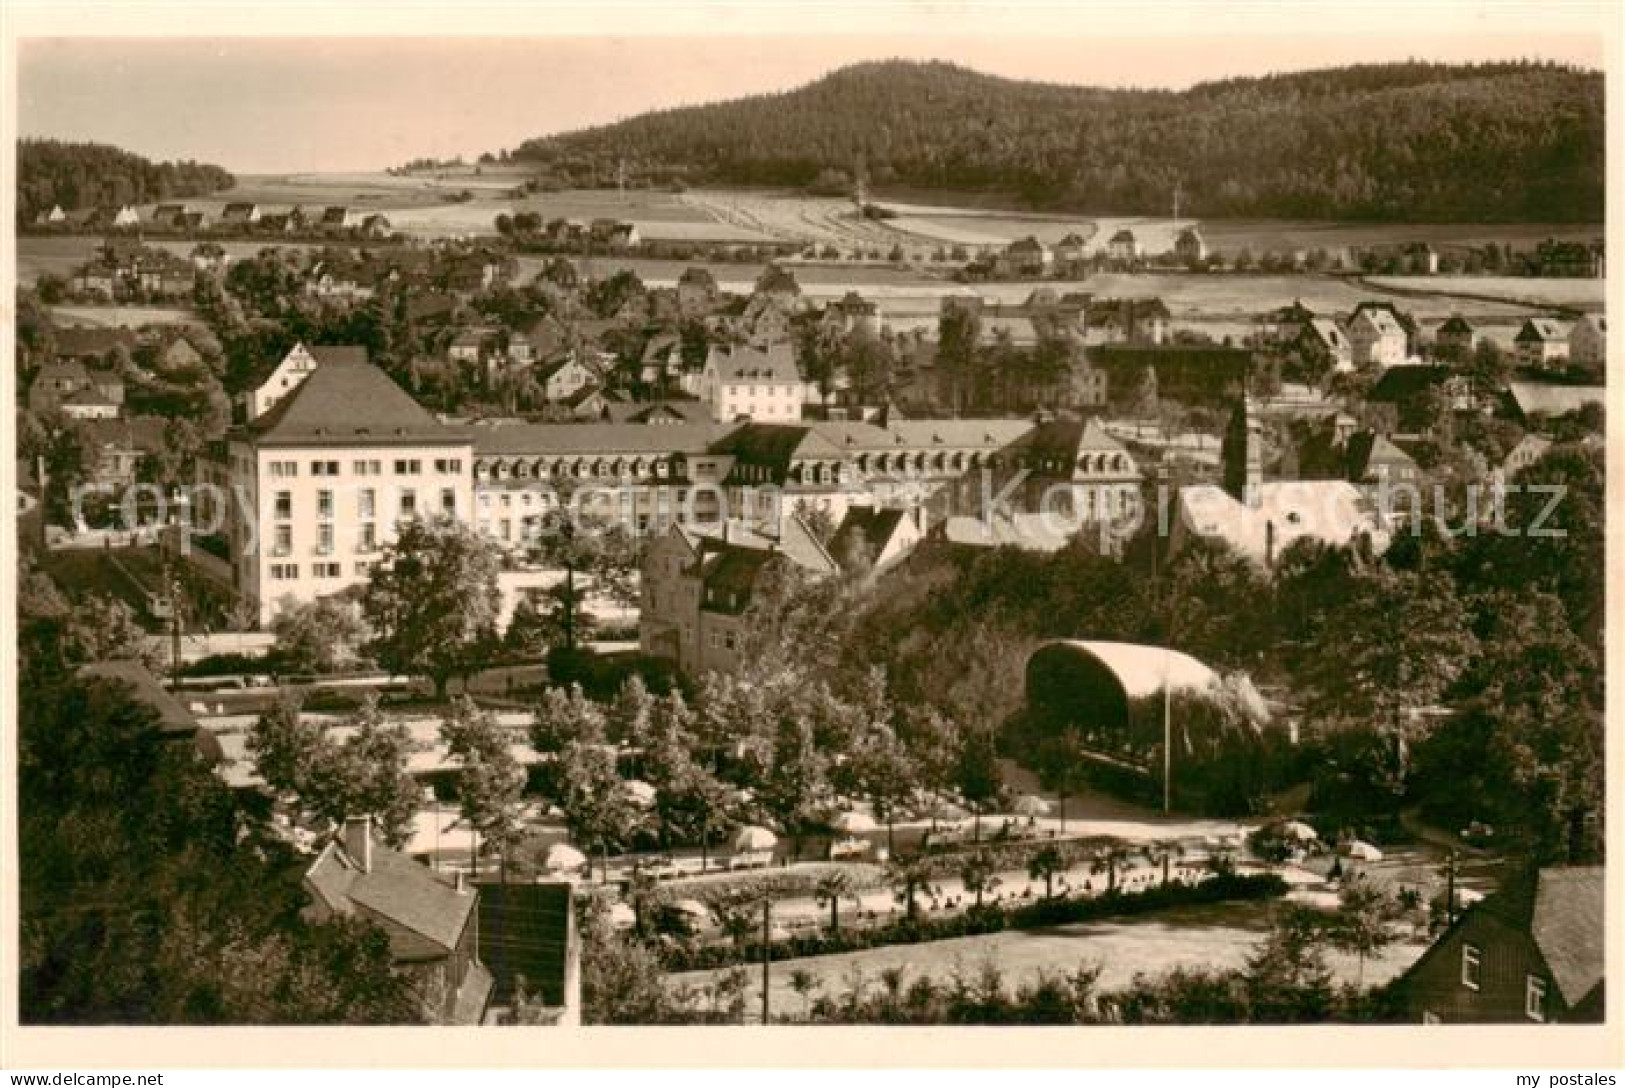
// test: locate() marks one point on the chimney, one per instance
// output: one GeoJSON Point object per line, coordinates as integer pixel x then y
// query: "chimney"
{"type": "Point", "coordinates": [358, 841]}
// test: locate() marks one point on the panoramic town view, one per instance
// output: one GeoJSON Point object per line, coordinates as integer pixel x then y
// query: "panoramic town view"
{"type": "Point", "coordinates": [913, 546]}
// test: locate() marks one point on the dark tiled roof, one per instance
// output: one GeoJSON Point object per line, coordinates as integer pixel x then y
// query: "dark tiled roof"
{"type": "Point", "coordinates": [347, 401]}
{"type": "Point", "coordinates": [77, 343]}
{"type": "Point", "coordinates": [1401, 383]}
{"type": "Point", "coordinates": [876, 527]}
{"type": "Point", "coordinates": [423, 915]}
{"type": "Point", "coordinates": [173, 718]}
{"type": "Point", "coordinates": [525, 930]}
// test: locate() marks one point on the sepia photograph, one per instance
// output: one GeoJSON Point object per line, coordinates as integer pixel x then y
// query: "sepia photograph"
{"type": "Point", "coordinates": [990, 520]}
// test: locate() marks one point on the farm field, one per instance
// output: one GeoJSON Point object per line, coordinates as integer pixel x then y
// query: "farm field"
{"type": "Point", "coordinates": [1231, 235]}
{"type": "Point", "coordinates": [1578, 293]}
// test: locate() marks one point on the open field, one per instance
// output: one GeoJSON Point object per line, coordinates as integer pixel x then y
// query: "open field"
{"type": "Point", "coordinates": [1589, 294]}
{"type": "Point", "coordinates": [127, 317]}
{"type": "Point", "coordinates": [1284, 235]}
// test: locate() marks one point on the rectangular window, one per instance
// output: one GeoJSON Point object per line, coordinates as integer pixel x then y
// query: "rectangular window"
{"type": "Point", "coordinates": [324, 504]}
{"type": "Point", "coordinates": [324, 468]}
{"type": "Point", "coordinates": [1472, 966]}
{"type": "Point", "coordinates": [327, 570]}
{"type": "Point", "coordinates": [449, 467]}
{"type": "Point", "coordinates": [284, 540]}
{"type": "Point", "coordinates": [369, 537]}
{"type": "Point", "coordinates": [507, 529]}
{"type": "Point", "coordinates": [284, 469]}
{"type": "Point", "coordinates": [409, 502]}
{"type": "Point", "coordinates": [1534, 998]}
{"type": "Point", "coordinates": [367, 468]}
{"type": "Point", "coordinates": [448, 500]}
{"type": "Point", "coordinates": [284, 504]}
{"type": "Point", "coordinates": [368, 503]}
{"type": "Point", "coordinates": [284, 572]}
{"type": "Point", "coordinates": [324, 538]}
{"type": "Point", "coordinates": [408, 467]}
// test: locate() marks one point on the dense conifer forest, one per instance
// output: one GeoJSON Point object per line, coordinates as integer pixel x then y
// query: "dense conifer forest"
{"type": "Point", "coordinates": [89, 175]}
{"type": "Point", "coordinates": [1401, 142]}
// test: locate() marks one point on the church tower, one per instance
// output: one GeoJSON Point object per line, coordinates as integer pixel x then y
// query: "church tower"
{"type": "Point", "coordinates": [1243, 454]}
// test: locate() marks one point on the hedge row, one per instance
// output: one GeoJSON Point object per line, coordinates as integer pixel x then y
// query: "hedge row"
{"type": "Point", "coordinates": [989, 918]}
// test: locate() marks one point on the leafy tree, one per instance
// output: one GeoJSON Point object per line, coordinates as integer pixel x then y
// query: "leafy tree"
{"type": "Point", "coordinates": [148, 897]}
{"type": "Point", "coordinates": [885, 776]}
{"type": "Point", "coordinates": [490, 781]}
{"type": "Point", "coordinates": [834, 886]}
{"type": "Point", "coordinates": [432, 601]}
{"type": "Point", "coordinates": [1287, 979]}
{"type": "Point", "coordinates": [1361, 925]}
{"type": "Point", "coordinates": [979, 778]}
{"type": "Point", "coordinates": [101, 628]}
{"type": "Point", "coordinates": [1046, 864]}
{"type": "Point", "coordinates": [363, 775]}
{"type": "Point", "coordinates": [589, 552]}
{"type": "Point", "coordinates": [908, 877]}
{"type": "Point", "coordinates": [597, 809]}
{"type": "Point", "coordinates": [317, 636]}
{"type": "Point", "coordinates": [978, 874]}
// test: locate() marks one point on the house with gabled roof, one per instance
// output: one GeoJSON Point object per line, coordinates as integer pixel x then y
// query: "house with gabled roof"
{"type": "Point", "coordinates": [876, 538]}
{"type": "Point", "coordinates": [697, 292]}
{"type": "Point", "coordinates": [1456, 335]}
{"type": "Point", "coordinates": [698, 582]}
{"type": "Point", "coordinates": [1531, 952]}
{"type": "Point", "coordinates": [432, 922]}
{"type": "Point", "coordinates": [1588, 340]}
{"type": "Point", "coordinates": [240, 214]}
{"type": "Point", "coordinates": [1376, 339]}
{"type": "Point", "coordinates": [1123, 246]}
{"type": "Point", "coordinates": [1542, 342]}
{"type": "Point", "coordinates": [761, 384]}
{"type": "Point", "coordinates": [329, 469]}
{"type": "Point", "coordinates": [1189, 246]}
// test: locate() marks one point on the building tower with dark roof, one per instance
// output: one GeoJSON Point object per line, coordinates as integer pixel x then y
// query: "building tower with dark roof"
{"type": "Point", "coordinates": [1243, 454]}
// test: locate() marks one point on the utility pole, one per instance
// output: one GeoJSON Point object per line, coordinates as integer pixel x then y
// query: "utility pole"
{"type": "Point", "coordinates": [767, 955]}
{"type": "Point", "coordinates": [1167, 742]}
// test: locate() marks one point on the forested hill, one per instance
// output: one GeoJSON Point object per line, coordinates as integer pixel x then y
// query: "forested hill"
{"type": "Point", "coordinates": [87, 175]}
{"type": "Point", "coordinates": [1416, 142]}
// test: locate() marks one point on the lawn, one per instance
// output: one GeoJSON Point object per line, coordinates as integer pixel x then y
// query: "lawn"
{"type": "Point", "coordinates": [1219, 936]}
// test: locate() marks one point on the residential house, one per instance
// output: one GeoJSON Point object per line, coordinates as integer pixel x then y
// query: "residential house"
{"type": "Point", "coordinates": [295, 367]}
{"type": "Point", "coordinates": [376, 225]}
{"type": "Point", "coordinates": [1071, 250]}
{"type": "Point", "coordinates": [1126, 320]}
{"type": "Point", "coordinates": [563, 379]}
{"type": "Point", "coordinates": [126, 218]}
{"type": "Point", "coordinates": [697, 586]}
{"type": "Point", "coordinates": [92, 346]}
{"type": "Point", "coordinates": [1529, 953]}
{"type": "Point", "coordinates": [1413, 331]}
{"type": "Point", "coordinates": [1376, 339]}
{"type": "Point", "coordinates": [779, 285]}
{"type": "Point", "coordinates": [1531, 400]}
{"type": "Point", "coordinates": [1407, 399]}
{"type": "Point", "coordinates": [1123, 246]}
{"type": "Point", "coordinates": [1024, 257]}
{"type": "Point", "coordinates": [761, 384]}
{"type": "Point", "coordinates": [875, 539]}
{"type": "Point", "coordinates": [538, 341]}
{"type": "Point", "coordinates": [432, 922]}
{"type": "Point", "coordinates": [118, 446]}
{"type": "Point", "coordinates": [1374, 460]}
{"type": "Point", "coordinates": [338, 218]}
{"type": "Point", "coordinates": [1322, 341]}
{"type": "Point", "coordinates": [472, 346]}
{"type": "Point", "coordinates": [1189, 246]}
{"type": "Point", "coordinates": [53, 217]}
{"type": "Point", "coordinates": [1455, 337]}
{"type": "Point", "coordinates": [849, 313]}
{"type": "Point", "coordinates": [239, 214]}
{"type": "Point", "coordinates": [175, 723]}
{"type": "Point", "coordinates": [209, 257]}
{"type": "Point", "coordinates": [1588, 341]}
{"type": "Point", "coordinates": [1530, 448]}
{"type": "Point", "coordinates": [697, 292]}
{"type": "Point", "coordinates": [169, 217]}
{"type": "Point", "coordinates": [78, 391]}
{"type": "Point", "coordinates": [1286, 324]}
{"type": "Point", "coordinates": [624, 236]}
{"type": "Point", "coordinates": [1542, 342]}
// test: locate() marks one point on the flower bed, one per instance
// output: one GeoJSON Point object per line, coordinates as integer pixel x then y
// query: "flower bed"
{"type": "Point", "coordinates": [988, 918]}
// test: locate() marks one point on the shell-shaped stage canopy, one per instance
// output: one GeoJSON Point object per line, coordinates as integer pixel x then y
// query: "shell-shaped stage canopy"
{"type": "Point", "coordinates": [1091, 681]}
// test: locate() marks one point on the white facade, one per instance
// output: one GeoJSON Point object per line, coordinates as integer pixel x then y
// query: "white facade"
{"type": "Point", "coordinates": [295, 367]}
{"type": "Point", "coordinates": [310, 521]}
{"type": "Point", "coordinates": [1377, 339]}
{"type": "Point", "coordinates": [763, 386]}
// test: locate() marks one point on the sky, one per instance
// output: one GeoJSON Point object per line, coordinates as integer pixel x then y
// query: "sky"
{"type": "Point", "coordinates": [257, 105]}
